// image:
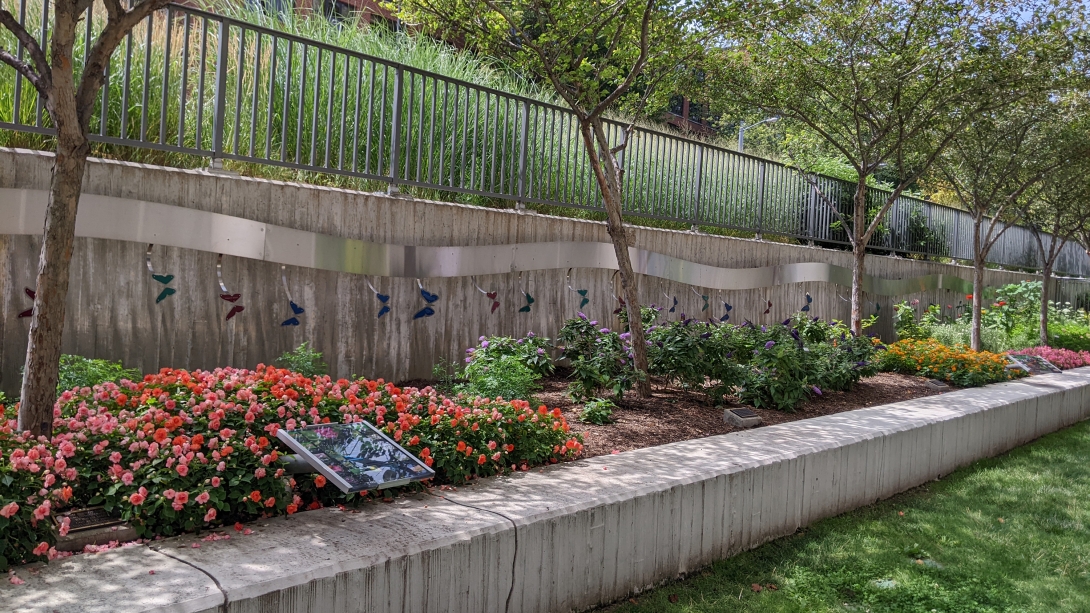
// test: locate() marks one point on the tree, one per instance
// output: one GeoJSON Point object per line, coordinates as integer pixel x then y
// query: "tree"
{"type": "Point", "coordinates": [70, 103]}
{"type": "Point", "coordinates": [998, 167]}
{"type": "Point", "coordinates": [1060, 214]}
{"type": "Point", "coordinates": [600, 57]}
{"type": "Point", "coordinates": [886, 84]}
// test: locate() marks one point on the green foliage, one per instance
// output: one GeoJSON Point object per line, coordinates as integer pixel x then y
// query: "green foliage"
{"type": "Point", "coordinates": [1073, 336]}
{"type": "Point", "coordinates": [904, 321]}
{"type": "Point", "coordinates": [531, 350]}
{"type": "Point", "coordinates": [79, 372]}
{"type": "Point", "coordinates": [303, 360]}
{"type": "Point", "coordinates": [505, 377]}
{"type": "Point", "coordinates": [597, 411]}
{"type": "Point", "coordinates": [601, 359]}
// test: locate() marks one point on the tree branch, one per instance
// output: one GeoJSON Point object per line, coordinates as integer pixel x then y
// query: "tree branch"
{"type": "Point", "coordinates": [40, 77]}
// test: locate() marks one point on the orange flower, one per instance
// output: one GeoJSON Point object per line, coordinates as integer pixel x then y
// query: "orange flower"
{"type": "Point", "coordinates": [255, 495]}
{"type": "Point", "coordinates": [161, 435]}
{"type": "Point", "coordinates": [481, 459]}
{"type": "Point", "coordinates": [319, 481]}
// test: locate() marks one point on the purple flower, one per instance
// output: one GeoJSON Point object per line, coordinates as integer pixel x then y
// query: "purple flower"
{"type": "Point", "coordinates": [470, 350]}
{"type": "Point", "coordinates": [519, 341]}
{"type": "Point", "coordinates": [480, 339]}
{"type": "Point", "coordinates": [484, 344]}
{"type": "Point", "coordinates": [594, 322]}
{"type": "Point", "coordinates": [530, 334]}
{"type": "Point", "coordinates": [625, 336]}
{"type": "Point", "coordinates": [604, 330]}
{"type": "Point", "coordinates": [468, 360]}
{"type": "Point", "coordinates": [581, 315]}
{"type": "Point", "coordinates": [770, 344]}
{"type": "Point", "coordinates": [764, 328]}
{"type": "Point", "coordinates": [540, 351]}
{"type": "Point", "coordinates": [817, 390]}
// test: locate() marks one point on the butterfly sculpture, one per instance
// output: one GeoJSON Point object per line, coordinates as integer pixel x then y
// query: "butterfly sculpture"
{"type": "Point", "coordinates": [583, 300]}
{"type": "Point", "coordinates": [726, 316]}
{"type": "Point", "coordinates": [163, 279]}
{"type": "Point", "coordinates": [493, 296]}
{"type": "Point", "coordinates": [382, 298]}
{"type": "Point", "coordinates": [429, 298]}
{"type": "Point", "coordinates": [806, 307]}
{"type": "Point", "coordinates": [769, 307]}
{"type": "Point", "coordinates": [529, 298]}
{"type": "Point", "coordinates": [705, 298]}
{"type": "Point", "coordinates": [31, 294]}
{"type": "Point", "coordinates": [296, 310]}
{"type": "Point", "coordinates": [225, 294]}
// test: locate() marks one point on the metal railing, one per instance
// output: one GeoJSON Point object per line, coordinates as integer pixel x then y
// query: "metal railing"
{"type": "Point", "coordinates": [193, 82]}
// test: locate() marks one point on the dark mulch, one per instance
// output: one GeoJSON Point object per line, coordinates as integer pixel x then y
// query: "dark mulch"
{"type": "Point", "coordinates": [676, 415]}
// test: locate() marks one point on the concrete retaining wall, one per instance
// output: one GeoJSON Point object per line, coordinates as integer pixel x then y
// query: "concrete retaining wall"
{"type": "Point", "coordinates": [112, 311]}
{"type": "Point", "coordinates": [573, 535]}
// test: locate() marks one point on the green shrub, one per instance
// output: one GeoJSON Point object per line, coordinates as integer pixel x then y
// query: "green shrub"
{"type": "Point", "coordinates": [505, 377]}
{"type": "Point", "coordinates": [531, 350]}
{"type": "Point", "coordinates": [1073, 336]}
{"type": "Point", "coordinates": [79, 372]}
{"type": "Point", "coordinates": [598, 411]}
{"type": "Point", "coordinates": [601, 359]}
{"type": "Point", "coordinates": [676, 352]}
{"type": "Point", "coordinates": [303, 360]}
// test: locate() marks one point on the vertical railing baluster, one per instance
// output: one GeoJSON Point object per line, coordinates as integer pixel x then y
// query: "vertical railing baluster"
{"type": "Point", "coordinates": [523, 147]}
{"type": "Point", "coordinates": [395, 131]}
{"type": "Point", "coordinates": [219, 109]}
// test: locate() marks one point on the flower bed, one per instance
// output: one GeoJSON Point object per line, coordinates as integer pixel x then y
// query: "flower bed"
{"type": "Point", "coordinates": [958, 364]}
{"type": "Point", "coordinates": [184, 450]}
{"type": "Point", "coordinates": [1061, 358]}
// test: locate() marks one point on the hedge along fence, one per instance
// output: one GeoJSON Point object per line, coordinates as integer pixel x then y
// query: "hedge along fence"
{"type": "Point", "coordinates": [195, 83]}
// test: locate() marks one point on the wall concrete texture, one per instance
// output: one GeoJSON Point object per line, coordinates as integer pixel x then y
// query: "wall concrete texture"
{"type": "Point", "coordinates": [112, 311]}
{"type": "Point", "coordinates": [571, 536]}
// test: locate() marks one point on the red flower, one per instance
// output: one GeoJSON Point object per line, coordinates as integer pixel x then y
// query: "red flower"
{"type": "Point", "coordinates": [161, 435]}
{"type": "Point", "coordinates": [461, 446]}
{"type": "Point", "coordinates": [968, 296]}
{"type": "Point", "coordinates": [482, 459]}
{"type": "Point", "coordinates": [319, 481]}
{"type": "Point", "coordinates": [255, 496]}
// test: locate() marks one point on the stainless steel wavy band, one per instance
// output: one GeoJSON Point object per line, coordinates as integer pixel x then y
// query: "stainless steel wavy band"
{"type": "Point", "coordinates": [22, 212]}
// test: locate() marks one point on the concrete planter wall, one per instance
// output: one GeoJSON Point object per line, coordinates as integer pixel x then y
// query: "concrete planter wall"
{"type": "Point", "coordinates": [571, 536]}
{"type": "Point", "coordinates": [112, 311]}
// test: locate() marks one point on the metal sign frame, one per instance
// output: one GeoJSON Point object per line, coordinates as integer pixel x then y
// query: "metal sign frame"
{"type": "Point", "coordinates": [331, 475]}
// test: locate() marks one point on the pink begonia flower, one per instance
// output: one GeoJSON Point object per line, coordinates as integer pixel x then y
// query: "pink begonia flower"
{"type": "Point", "coordinates": [169, 494]}
{"type": "Point", "coordinates": [115, 457]}
{"type": "Point", "coordinates": [260, 473]}
{"type": "Point", "coordinates": [181, 497]}
{"type": "Point", "coordinates": [9, 509]}
{"type": "Point", "coordinates": [60, 464]}
{"type": "Point", "coordinates": [215, 481]}
{"type": "Point", "coordinates": [49, 480]}
{"type": "Point", "coordinates": [41, 549]}
{"type": "Point", "coordinates": [183, 469]}
{"type": "Point", "coordinates": [222, 466]}
{"type": "Point", "coordinates": [127, 478]}
{"type": "Point", "coordinates": [210, 515]}
{"type": "Point", "coordinates": [42, 511]}
{"type": "Point", "coordinates": [202, 498]}
{"type": "Point", "coordinates": [136, 499]}
{"type": "Point", "coordinates": [15, 580]}
{"type": "Point", "coordinates": [66, 524]}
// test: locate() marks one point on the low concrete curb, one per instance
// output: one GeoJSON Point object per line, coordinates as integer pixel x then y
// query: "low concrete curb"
{"type": "Point", "coordinates": [573, 535]}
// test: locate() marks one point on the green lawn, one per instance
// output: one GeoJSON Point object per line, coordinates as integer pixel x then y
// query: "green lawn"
{"type": "Point", "coordinates": [1006, 534]}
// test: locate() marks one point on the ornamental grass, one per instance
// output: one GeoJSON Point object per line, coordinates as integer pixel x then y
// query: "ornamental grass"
{"type": "Point", "coordinates": [189, 450]}
{"type": "Point", "coordinates": [954, 364]}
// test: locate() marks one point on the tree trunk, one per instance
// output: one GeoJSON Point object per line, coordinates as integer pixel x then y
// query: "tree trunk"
{"type": "Point", "coordinates": [608, 174]}
{"type": "Point", "coordinates": [978, 285]}
{"type": "Point", "coordinates": [41, 372]}
{"type": "Point", "coordinates": [859, 250]}
{"type": "Point", "coordinates": [1046, 278]}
